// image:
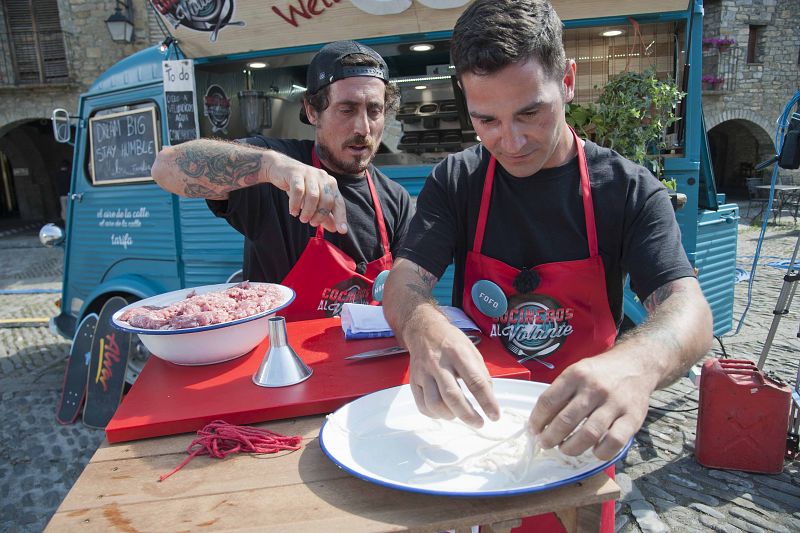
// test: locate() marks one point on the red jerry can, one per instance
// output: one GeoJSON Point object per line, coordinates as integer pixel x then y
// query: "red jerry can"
{"type": "Point", "coordinates": [743, 418]}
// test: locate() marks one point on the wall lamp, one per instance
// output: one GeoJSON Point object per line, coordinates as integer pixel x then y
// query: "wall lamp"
{"type": "Point", "coordinates": [121, 26]}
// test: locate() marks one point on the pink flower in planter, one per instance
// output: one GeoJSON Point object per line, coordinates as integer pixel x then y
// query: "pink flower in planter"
{"type": "Point", "coordinates": [719, 42]}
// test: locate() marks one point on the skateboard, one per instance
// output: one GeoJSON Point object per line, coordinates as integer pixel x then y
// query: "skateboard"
{"type": "Point", "coordinates": [73, 391]}
{"type": "Point", "coordinates": [108, 361]}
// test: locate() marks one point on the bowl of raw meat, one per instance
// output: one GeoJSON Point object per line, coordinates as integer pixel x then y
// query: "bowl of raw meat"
{"type": "Point", "coordinates": [204, 325]}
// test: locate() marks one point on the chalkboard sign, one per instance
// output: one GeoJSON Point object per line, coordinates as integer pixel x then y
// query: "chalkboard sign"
{"type": "Point", "coordinates": [181, 113]}
{"type": "Point", "coordinates": [179, 95]}
{"type": "Point", "coordinates": [124, 146]}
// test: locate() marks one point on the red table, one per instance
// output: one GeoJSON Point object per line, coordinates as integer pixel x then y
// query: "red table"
{"type": "Point", "coordinates": [168, 399]}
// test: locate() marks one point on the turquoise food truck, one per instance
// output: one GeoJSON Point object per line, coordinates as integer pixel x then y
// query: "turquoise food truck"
{"type": "Point", "coordinates": [232, 68]}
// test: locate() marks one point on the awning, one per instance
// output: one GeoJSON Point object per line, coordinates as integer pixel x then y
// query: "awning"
{"type": "Point", "coordinates": [206, 28]}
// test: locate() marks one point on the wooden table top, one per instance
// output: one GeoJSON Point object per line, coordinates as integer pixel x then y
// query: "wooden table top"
{"type": "Point", "coordinates": [290, 491]}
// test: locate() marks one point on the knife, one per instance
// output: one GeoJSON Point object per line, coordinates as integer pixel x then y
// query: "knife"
{"type": "Point", "coordinates": [392, 350]}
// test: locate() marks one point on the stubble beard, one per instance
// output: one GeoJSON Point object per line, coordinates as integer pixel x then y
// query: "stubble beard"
{"type": "Point", "coordinates": [354, 166]}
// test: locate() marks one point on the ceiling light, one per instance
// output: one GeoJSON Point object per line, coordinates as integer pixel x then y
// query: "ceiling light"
{"type": "Point", "coordinates": [611, 33]}
{"type": "Point", "coordinates": [257, 64]}
{"type": "Point", "coordinates": [420, 87]}
{"type": "Point", "coordinates": [422, 47]}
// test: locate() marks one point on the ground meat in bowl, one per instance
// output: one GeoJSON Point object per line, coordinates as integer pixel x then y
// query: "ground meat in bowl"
{"type": "Point", "coordinates": [197, 310]}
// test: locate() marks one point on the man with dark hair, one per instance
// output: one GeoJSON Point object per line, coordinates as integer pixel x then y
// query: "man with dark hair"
{"type": "Point", "coordinates": [282, 194]}
{"type": "Point", "coordinates": [554, 222]}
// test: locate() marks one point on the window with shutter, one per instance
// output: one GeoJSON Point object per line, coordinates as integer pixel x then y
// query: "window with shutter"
{"type": "Point", "coordinates": [36, 41]}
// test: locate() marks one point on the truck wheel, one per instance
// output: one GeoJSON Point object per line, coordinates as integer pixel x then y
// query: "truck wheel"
{"type": "Point", "coordinates": [137, 357]}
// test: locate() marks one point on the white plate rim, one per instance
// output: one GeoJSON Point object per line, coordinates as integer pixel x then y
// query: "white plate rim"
{"type": "Point", "coordinates": [181, 294]}
{"type": "Point", "coordinates": [467, 494]}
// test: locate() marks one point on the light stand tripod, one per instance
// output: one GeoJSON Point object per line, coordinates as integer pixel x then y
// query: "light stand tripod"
{"type": "Point", "coordinates": [782, 305]}
{"type": "Point", "coordinates": [789, 158]}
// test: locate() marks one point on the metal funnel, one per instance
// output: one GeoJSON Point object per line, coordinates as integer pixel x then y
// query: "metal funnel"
{"type": "Point", "coordinates": [281, 366]}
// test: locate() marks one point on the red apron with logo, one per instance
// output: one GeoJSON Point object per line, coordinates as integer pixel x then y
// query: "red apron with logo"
{"type": "Point", "coordinates": [562, 319]}
{"type": "Point", "coordinates": [324, 277]}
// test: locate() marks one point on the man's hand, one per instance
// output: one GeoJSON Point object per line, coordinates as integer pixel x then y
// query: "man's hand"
{"type": "Point", "coordinates": [437, 359]}
{"type": "Point", "coordinates": [439, 352]}
{"type": "Point", "coordinates": [313, 194]}
{"type": "Point", "coordinates": [611, 397]}
{"type": "Point", "coordinates": [610, 393]}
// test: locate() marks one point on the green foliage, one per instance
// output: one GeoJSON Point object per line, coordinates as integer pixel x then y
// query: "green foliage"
{"type": "Point", "coordinates": [631, 116]}
{"type": "Point", "coordinates": [670, 184]}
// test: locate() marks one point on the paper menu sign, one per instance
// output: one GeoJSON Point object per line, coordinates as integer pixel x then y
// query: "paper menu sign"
{"type": "Point", "coordinates": [180, 100]}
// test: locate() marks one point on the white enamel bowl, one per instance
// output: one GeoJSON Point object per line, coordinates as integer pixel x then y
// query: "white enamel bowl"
{"type": "Point", "coordinates": [207, 344]}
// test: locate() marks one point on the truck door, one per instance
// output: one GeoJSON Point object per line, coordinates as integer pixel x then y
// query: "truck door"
{"type": "Point", "coordinates": [121, 233]}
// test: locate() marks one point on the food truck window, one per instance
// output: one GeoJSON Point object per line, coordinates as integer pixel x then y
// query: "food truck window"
{"type": "Point", "coordinates": [123, 143]}
{"type": "Point", "coordinates": [432, 120]}
{"type": "Point", "coordinates": [601, 52]}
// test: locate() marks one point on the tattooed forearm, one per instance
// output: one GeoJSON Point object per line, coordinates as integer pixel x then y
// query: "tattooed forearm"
{"type": "Point", "coordinates": [228, 167]}
{"type": "Point", "coordinates": [660, 295]}
{"type": "Point", "coordinates": [420, 291]}
{"type": "Point", "coordinates": [427, 278]}
{"type": "Point", "coordinates": [196, 190]}
{"type": "Point", "coordinates": [677, 332]}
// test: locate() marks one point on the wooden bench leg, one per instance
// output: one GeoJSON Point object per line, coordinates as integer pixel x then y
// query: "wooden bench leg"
{"type": "Point", "coordinates": [584, 519]}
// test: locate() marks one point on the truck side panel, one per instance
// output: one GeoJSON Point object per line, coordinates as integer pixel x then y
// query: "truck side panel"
{"type": "Point", "coordinates": [117, 231]}
{"type": "Point", "coordinates": [210, 249]}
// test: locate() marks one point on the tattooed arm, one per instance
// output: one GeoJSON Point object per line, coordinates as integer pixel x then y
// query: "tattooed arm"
{"type": "Point", "coordinates": [610, 392]}
{"type": "Point", "coordinates": [211, 169]}
{"type": "Point", "coordinates": [439, 352]}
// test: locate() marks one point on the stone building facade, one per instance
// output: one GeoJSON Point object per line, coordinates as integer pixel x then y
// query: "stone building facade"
{"type": "Point", "coordinates": [740, 114]}
{"type": "Point", "coordinates": [759, 73]}
{"type": "Point", "coordinates": [31, 166]}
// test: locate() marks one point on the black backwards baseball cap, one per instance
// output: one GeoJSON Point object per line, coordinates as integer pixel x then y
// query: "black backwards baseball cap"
{"type": "Point", "coordinates": [326, 67]}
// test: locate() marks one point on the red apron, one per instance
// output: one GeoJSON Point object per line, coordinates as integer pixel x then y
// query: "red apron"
{"type": "Point", "coordinates": [324, 277]}
{"type": "Point", "coordinates": [563, 319]}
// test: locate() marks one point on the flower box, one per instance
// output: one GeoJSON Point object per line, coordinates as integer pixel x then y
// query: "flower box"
{"type": "Point", "coordinates": [711, 83]}
{"type": "Point", "coordinates": [721, 43]}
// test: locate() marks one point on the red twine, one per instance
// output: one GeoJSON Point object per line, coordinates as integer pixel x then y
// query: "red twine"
{"type": "Point", "coordinates": [219, 439]}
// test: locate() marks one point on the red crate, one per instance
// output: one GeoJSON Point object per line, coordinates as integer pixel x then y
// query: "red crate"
{"type": "Point", "coordinates": [743, 418]}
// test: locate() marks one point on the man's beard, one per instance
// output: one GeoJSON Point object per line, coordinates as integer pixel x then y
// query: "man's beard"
{"type": "Point", "coordinates": [342, 166]}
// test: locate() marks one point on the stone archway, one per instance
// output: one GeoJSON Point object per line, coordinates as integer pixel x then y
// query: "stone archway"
{"type": "Point", "coordinates": [35, 158]}
{"type": "Point", "coordinates": [736, 146]}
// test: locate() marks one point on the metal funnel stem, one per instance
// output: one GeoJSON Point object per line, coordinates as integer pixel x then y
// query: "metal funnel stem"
{"type": "Point", "coordinates": [277, 332]}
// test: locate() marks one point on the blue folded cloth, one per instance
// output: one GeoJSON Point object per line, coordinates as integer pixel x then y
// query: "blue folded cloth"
{"type": "Point", "coordinates": [361, 321]}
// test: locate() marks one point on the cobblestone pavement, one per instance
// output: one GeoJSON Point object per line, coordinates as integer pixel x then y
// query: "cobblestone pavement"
{"type": "Point", "coordinates": [664, 488]}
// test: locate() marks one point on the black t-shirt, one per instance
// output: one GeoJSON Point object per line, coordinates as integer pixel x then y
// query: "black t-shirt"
{"type": "Point", "coordinates": [274, 239]}
{"type": "Point", "coordinates": [540, 219]}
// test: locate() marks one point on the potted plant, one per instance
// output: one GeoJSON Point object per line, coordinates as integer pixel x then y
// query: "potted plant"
{"type": "Point", "coordinates": [721, 43]}
{"type": "Point", "coordinates": [631, 116]}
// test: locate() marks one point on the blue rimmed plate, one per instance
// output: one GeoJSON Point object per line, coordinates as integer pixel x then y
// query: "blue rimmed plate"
{"type": "Point", "coordinates": [384, 439]}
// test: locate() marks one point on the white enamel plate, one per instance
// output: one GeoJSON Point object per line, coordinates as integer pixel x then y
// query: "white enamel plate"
{"type": "Point", "coordinates": [383, 438]}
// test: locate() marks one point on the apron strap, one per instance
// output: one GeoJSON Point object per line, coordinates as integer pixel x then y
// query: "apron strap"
{"type": "Point", "coordinates": [586, 194]}
{"type": "Point", "coordinates": [486, 198]}
{"type": "Point", "coordinates": [375, 201]}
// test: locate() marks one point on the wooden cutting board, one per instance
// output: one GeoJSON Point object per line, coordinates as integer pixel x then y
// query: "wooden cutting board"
{"type": "Point", "coordinates": [168, 399]}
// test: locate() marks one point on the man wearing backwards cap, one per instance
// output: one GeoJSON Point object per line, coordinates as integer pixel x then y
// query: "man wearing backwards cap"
{"type": "Point", "coordinates": [317, 216]}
